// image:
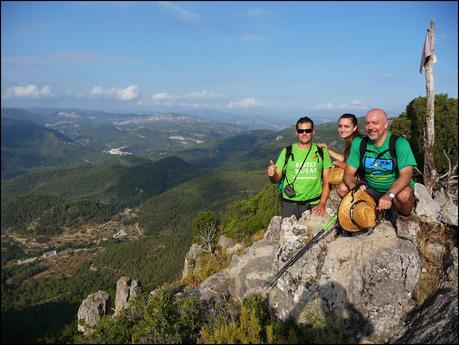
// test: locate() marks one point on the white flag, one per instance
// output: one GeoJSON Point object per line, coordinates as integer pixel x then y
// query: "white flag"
{"type": "Point", "coordinates": [427, 52]}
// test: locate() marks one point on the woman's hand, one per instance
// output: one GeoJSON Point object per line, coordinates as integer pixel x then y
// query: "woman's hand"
{"type": "Point", "coordinates": [319, 209]}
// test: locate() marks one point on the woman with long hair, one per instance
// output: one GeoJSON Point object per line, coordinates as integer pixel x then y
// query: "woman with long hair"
{"type": "Point", "coordinates": [348, 129]}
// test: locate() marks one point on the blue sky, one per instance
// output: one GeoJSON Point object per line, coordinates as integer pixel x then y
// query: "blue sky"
{"type": "Point", "coordinates": [281, 59]}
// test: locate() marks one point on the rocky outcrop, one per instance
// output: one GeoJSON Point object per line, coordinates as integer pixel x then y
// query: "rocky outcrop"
{"type": "Point", "coordinates": [98, 304]}
{"type": "Point", "coordinates": [435, 322]}
{"type": "Point", "coordinates": [190, 260]}
{"type": "Point", "coordinates": [364, 282]}
{"type": "Point", "coordinates": [126, 290]}
{"type": "Point", "coordinates": [439, 209]}
{"type": "Point", "coordinates": [367, 283]}
{"type": "Point", "coordinates": [92, 309]}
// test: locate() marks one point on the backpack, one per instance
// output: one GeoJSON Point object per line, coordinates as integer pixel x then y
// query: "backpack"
{"type": "Point", "coordinates": [392, 151]}
{"type": "Point", "coordinates": [288, 153]}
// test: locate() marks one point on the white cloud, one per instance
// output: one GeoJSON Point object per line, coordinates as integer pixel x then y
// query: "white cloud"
{"type": "Point", "coordinates": [204, 94]}
{"type": "Point", "coordinates": [30, 90]}
{"type": "Point", "coordinates": [128, 94]}
{"type": "Point", "coordinates": [246, 103]}
{"type": "Point", "coordinates": [165, 98]}
{"type": "Point", "coordinates": [355, 104]}
{"type": "Point", "coordinates": [184, 14]}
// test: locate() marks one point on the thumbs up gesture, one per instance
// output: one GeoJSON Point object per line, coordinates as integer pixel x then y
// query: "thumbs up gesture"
{"type": "Point", "coordinates": [271, 169]}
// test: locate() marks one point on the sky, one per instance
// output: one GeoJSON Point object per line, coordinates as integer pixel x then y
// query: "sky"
{"type": "Point", "coordinates": [263, 58]}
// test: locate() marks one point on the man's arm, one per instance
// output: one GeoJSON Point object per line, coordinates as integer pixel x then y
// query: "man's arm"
{"type": "Point", "coordinates": [320, 207]}
{"type": "Point", "coordinates": [273, 172]}
{"type": "Point", "coordinates": [385, 202]}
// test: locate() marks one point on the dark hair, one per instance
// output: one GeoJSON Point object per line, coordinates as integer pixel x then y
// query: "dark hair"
{"type": "Point", "coordinates": [347, 145]}
{"type": "Point", "coordinates": [305, 119]}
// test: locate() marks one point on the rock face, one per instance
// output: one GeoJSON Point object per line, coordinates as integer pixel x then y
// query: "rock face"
{"type": "Point", "coordinates": [364, 282]}
{"type": "Point", "coordinates": [92, 309]}
{"type": "Point", "coordinates": [190, 260]}
{"type": "Point", "coordinates": [126, 290]}
{"type": "Point", "coordinates": [437, 319]}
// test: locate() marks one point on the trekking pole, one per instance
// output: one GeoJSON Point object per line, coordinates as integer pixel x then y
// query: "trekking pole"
{"type": "Point", "coordinates": [327, 227]}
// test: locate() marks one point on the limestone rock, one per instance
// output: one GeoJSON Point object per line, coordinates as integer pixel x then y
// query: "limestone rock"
{"type": "Point", "coordinates": [92, 309]}
{"type": "Point", "coordinates": [435, 323]}
{"type": "Point", "coordinates": [126, 290]}
{"type": "Point", "coordinates": [190, 259]}
{"type": "Point", "coordinates": [448, 210]}
{"type": "Point", "coordinates": [225, 242]}
{"type": "Point", "coordinates": [426, 208]}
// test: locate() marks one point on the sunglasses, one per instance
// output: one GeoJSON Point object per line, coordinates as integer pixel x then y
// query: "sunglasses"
{"type": "Point", "coordinates": [307, 130]}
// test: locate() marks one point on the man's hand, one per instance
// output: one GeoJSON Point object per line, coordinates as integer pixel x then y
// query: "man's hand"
{"type": "Point", "coordinates": [384, 203]}
{"type": "Point", "coordinates": [271, 169]}
{"type": "Point", "coordinates": [319, 209]}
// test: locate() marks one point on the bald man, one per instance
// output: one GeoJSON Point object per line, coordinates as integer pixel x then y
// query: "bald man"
{"type": "Point", "coordinates": [391, 188]}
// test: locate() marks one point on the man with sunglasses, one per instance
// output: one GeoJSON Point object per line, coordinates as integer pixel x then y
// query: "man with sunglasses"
{"type": "Point", "coordinates": [304, 173]}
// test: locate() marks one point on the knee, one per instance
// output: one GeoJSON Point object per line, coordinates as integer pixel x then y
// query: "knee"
{"type": "Point", "coordinates": [342, 190]}
{"type": "Point", "coordinates": [406, 195]}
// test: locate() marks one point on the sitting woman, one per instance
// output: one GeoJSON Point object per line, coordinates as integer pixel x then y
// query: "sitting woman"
{"type": "Point", "coordinates": [348, 129]}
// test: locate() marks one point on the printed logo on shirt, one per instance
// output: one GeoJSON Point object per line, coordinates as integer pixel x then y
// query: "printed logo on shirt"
{"type": "Point", "coordinates": [379, 166]}
{"type": "Point", "coordinates": [308, 168]}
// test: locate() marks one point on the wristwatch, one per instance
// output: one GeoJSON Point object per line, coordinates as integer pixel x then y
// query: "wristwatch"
{"type": "Point", "coordinates": [391, 195]}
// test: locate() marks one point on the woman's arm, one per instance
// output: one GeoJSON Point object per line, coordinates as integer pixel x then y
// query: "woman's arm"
{"type": "Point", "coordinates": [335, 155]}
{"type": "Point", "coordinates": [339, 164]}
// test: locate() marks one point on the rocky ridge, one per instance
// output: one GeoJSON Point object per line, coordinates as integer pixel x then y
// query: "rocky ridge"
{"type": "Point", "coordinates": [368, 283]}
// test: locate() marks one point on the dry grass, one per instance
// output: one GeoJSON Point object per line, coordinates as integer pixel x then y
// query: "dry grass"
{"type": "Point", "coordinates": [433, 241]}
{"type": "Point", "coordinates": [206, 265]}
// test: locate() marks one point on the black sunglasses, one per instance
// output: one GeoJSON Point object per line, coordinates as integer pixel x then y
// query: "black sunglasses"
{"type": "Point", "coordinates": [307, 130]}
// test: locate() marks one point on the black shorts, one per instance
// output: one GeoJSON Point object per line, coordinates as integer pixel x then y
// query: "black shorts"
{"type": "Point", "coordinates": [289, 208]}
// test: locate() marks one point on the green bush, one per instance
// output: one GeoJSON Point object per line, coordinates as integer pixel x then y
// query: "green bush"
{"type": "Point", "coordinates": [445, 130]}
{"type": "Point", "coordinates": [244, 218]}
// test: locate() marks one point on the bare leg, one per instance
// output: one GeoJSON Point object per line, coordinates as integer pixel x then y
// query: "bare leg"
{"type": "Point", "coordinates": [341, 190]}
{"type": "Point", "coordinates": [404, 201]}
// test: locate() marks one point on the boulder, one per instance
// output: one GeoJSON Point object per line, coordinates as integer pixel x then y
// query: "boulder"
{"type": "Point", "coordinates": [126, 290]}
{"type": "Point", "coordinates": [190, 260]}
{"type": "Point", "coordinates": [427, 209]}
{"type": "Point", "coordinates": [92, 309]}
{"type": "Point", "coordinates": [448, 210]}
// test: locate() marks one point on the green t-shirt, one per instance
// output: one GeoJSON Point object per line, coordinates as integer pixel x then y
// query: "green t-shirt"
{"type": "Point", "coordinates": [380, 174]}
{"type": "Point", "coordinates": [308, 183]}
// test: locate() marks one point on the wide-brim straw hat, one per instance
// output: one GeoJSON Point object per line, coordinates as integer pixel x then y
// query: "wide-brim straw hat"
{"type": "Point", "coordinates": [357, 211]}
{"type": "Point", "coordinates": [336, 175]}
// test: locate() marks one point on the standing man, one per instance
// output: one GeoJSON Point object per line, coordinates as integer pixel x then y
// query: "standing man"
{"type": "Point", "coordinates": [390, 177]}
{"type": "Point", "coordinates": [305, 172]}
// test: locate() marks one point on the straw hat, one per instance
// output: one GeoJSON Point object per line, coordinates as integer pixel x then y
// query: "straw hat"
{"type": "Point", "coordinates": [357, 211]}
{"type": "Point", "coordinates": [336, 175]}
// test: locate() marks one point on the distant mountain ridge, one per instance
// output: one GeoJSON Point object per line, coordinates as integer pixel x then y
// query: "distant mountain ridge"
{"type": "Point", "coordinates": [92, 135]}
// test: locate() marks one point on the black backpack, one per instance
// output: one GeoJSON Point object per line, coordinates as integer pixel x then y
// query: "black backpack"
{"type": "Point", "coordinates": [392, 151]}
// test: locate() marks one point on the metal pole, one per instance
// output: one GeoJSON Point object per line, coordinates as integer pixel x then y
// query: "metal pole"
{"type": "Point", "coordinates": [299, 254]}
